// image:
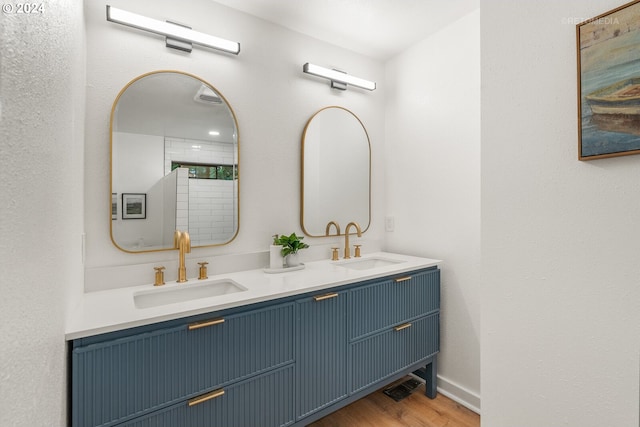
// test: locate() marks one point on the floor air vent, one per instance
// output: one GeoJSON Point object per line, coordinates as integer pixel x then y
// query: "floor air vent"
{"type": "Point", "coordinates": [402, 390]}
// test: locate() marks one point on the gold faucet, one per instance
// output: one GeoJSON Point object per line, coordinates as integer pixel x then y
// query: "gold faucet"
{"type": "Point", "coordinates": [326, 233]}
{"type": "Point", "coordinates": [182, 242]}
{"type": "Point", "coordinates": [159, 276]}
{"type": "Point", "coordinates": [202, 272]}
{"type": "Point", "coordinates": [347, 250]}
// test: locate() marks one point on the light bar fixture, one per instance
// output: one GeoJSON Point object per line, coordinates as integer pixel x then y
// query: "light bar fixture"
{"type": "Point", "coordinates": [339, 79]}
{"type": "Point", "coordinates": [170, 30]}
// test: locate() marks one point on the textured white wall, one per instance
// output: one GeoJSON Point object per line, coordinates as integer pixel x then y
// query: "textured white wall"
{"type": "Point", "coordinates": [271, 98]}
{"type": "Point", "coordinates": [41, 129]}
{"type": "Point", "coordinates": [433, 183]}
{"type": "Point", "coordinates": [560, 237]}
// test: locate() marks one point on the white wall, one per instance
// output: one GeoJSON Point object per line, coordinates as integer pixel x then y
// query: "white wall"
{"type": "Point", "coordinates": [560, 237]}
{"type": "Point", "coordinates": [41, 129]}
{"type": "Point", "coordinates": [134, 176]}
{"type": "Point", "coordinates": [433, 184]}
{"type": "Point", "coordinates": [138, 161]}
{"type": "Point", "coordinates": [271, 98]}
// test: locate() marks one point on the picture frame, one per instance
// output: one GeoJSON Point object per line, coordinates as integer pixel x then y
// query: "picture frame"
{"type": "Point", "coordinates": [134, 205]}
{"type": "Point", "coordinates": [608, 57]}
{"type": "Point", "coordinates": [114, 206]}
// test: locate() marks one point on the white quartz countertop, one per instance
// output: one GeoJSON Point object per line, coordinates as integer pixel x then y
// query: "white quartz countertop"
{"type": "Point", "coordinates": [114, 310]}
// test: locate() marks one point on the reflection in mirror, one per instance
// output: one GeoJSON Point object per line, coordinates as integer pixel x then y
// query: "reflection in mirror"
{"type": "Point", "coordinates": [174, 144]}
{"type": "Point", "coordinates": [336, 172]}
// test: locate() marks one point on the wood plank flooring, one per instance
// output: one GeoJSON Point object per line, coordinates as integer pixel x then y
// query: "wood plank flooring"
{"type": "Point", "coordinates": [416, 410]}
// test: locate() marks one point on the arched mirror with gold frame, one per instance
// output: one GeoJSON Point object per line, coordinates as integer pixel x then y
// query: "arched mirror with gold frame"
{"type": "Point", "coordinates": [174, 163]}
{"type": "Point", "coordinates": [336, 172]}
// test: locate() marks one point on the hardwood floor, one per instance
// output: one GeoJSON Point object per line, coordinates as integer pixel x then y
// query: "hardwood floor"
{"type": "Point", "coordinates": [416, 410]}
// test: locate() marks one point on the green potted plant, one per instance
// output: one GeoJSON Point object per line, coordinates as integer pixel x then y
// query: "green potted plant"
{"type": "Point", "coordinates": [290, 246]}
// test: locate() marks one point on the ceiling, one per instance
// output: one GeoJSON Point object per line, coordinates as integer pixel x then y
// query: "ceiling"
{"type": "Point", "coordinates": [376, 28]}
{"type": "Point", "coordinates": [164, 104]}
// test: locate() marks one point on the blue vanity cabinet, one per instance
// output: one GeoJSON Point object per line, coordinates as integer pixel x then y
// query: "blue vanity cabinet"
{"type": "Point", "coordinates": [118, 379]}
{"type": "Point", "coordinates": [393, 326]}
{"type": "Point", "coordinates": [322, 351]}
{"type": "Point", "coordinates": [280, 363]}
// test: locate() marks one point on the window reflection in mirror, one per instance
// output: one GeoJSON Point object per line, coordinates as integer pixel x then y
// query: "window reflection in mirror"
{"type": "Point", "coordinates": [336, 172]}
{"type": "Point", "coordinates": [174, 138]}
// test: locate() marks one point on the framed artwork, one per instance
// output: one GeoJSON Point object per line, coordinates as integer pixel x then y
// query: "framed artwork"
{"type": "Point", "coordinates": [134, 205]}
{"type": "Point", "coordinates": [609, 83]}
{"type": "Point", "coordinates": [114, 206]}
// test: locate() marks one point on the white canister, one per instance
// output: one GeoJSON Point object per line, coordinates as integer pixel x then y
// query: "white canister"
{"type": "Point", "coordinates": [275, 257]}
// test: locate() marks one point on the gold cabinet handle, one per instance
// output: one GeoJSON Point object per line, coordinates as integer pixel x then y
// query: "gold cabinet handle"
{"type": "Point", "coordinates": [401, 327]}
{"type": "Point", "coordinates": [403, 279]}
{"type": "Point", "coordinates": [206, 323]}
{"type": "Point", "coordinates": [201, 399]}
{"type": "Point", "coordinates": [326, 296]}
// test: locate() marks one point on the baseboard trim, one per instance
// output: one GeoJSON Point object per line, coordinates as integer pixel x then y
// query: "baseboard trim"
{"type": "Point", "coordinates": [457, 393]}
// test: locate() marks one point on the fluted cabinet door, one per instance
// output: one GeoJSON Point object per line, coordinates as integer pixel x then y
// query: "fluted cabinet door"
{"type": "Point", "coordinates": [119, 379]}
{"type": "Point", "coordinates": [382, 355]}
{"type": "Point", "coordinates": [322, 352]}
{"type": "Point", "coordinates": [263, 401]}
{"type": "Point", "coordinates": [393, 300]}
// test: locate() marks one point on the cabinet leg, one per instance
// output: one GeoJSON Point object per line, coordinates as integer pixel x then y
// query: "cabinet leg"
{"type": "Point", "coordinates": [431, 388]}
{"type": "Point", "coordinates": [429, 375]}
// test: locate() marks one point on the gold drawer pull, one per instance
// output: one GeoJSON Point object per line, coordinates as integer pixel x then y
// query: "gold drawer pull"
{"type": "Point", "coordinates": [401, 327]}
{"type": "Point", "coordinates": [403, 279]}
{"type": "Point", "coordinates": [201, 399]}
{"type": "Point", "coordinates": [206, 323]}
{"type": "Point", "coordinates": [326, 296]}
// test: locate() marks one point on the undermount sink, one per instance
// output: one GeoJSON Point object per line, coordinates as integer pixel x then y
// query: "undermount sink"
{"type": "Point", "coordinates": [368, 263]}
{"type": "Point", "coordinates": [185, 292]}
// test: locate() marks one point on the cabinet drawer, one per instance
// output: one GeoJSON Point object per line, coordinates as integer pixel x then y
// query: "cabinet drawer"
{"type": "Point", "coordinates": [384, 354]}
{"type": "Point", "coordinates": [264, 401]}
{"type": "Point", "coordinates": [116, 380]}
{"type": "Point", "coordinates": [322, 352]}
{"type": "Point", "coordinates": [395, 300]}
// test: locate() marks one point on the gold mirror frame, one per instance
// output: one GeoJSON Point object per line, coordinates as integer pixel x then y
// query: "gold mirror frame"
{"type": "Point", "coordinates": [342, 223]}
{"type": "Point", "coordinates": [111, 152]}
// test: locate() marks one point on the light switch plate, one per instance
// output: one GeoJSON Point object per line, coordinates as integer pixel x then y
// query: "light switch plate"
{"type": "Point", "coordinates": [389, 223]}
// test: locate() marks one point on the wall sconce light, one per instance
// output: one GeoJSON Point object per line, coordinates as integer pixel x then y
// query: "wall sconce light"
{"type": "Point", "coordinates": [339, 79]}
{"type": "Point", "coordinates": [178, 36]}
